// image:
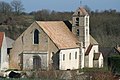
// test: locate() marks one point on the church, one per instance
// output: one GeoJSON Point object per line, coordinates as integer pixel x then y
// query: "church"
{"type": "Point", "coordinates": [61, 45]}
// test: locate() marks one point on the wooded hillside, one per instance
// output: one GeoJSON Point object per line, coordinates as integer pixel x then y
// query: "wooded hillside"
{"type": "Point", "coordinates": [104, 25]}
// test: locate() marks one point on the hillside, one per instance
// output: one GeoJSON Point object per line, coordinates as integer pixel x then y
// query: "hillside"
{"type": "Point", "coordinates": [104, 26]}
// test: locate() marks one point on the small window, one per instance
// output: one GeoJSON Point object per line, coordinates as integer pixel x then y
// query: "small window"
{"type": "Point", "coordinates": [84, 43]}
{"type": "Point", "coordinates": [86, 21]}
{"type": "Point", "coordinates": [36, 37]}
{"type": "Point", "coordinates": [75, 55]}
{"type": "Point", "coordinates": [70, 56]}
{"type": "Point", "coordinates": [63, 57]}
{"type": "Point", "coordinates": [77, 21]}
{"type": "Point", "coordinates": [78, 13]}
{"type": "Point", "coordinates": [78, 32]}
{"type": "Point", "coordinates": [86, 31]}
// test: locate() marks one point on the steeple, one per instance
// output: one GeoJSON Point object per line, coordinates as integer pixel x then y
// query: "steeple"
{"type": "Point", "coordinates": [80, 26]}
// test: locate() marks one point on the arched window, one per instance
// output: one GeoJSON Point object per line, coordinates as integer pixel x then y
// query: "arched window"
{"type": "Point", "coordinates": [36, 36]}
{"type": "Point", "coordinates": [78, 32]}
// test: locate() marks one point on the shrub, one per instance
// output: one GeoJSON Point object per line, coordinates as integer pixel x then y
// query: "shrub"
{"type": "Point", "coordinates": [114, 63]}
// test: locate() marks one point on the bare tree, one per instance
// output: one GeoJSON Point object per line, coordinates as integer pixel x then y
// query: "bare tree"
{"type": "Point", "coordinates": [5, 7]}
{"type": "Point", "coordinates": [17, 6]}
{"type": "Point", "coordinates": [42, 15]}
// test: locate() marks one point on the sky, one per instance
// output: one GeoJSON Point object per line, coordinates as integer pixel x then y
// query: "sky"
{"type": "Point", "coordinates": [68, 5]}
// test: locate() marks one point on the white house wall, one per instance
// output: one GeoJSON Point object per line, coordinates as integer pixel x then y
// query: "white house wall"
{"type": "Point", "coordinates": [25, 43]}
{"type": "Point", "coordinates": [69, 63]}
{"type": "Point", "coordinates": [91, 55]}
{"type": "Point", "coordinates": [101, 61]}
{"type": "Point", "coordinates": [4, 56]}
{"type": "Point", "coordinates": [82, 58]}
{"type": "Point", "coordinates": [86, 61]}
{"type": "Point", "coordinates": [96, 63]}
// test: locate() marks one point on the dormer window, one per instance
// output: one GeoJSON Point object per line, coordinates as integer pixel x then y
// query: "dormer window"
{"type": "Point", "coordinates": [36, 37]}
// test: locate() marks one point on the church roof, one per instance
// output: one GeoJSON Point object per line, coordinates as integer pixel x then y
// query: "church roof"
{"type": "Point", "coordinates": [59, 34]}
{"type": "Point", "coordinates": [81, 11]}
{"type": "Point", "coordinates": [1, 38]}
{"type": "Point", "coordinates": [93, 41]}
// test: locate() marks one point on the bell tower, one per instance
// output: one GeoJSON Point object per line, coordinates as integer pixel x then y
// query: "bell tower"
{"type": "Point", "coordinates": [80, 26]}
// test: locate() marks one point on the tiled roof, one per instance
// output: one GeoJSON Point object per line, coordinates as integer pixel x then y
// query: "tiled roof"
{"type": "Point", "coordinates": [96, 56]}
{"type": "Point", "coordinates": [59, 34]}
{"type": "Point", "coordinates": [1, 38]}
{"type": "Point", "coordinates": [81, 11]}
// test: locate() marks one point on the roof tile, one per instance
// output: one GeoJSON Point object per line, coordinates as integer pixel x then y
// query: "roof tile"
{"type": "Point", "coordinates": [59, 34]}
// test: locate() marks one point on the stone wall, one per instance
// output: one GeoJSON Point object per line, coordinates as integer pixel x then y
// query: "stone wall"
{"type": "Point", "coordinates": [24, 43]}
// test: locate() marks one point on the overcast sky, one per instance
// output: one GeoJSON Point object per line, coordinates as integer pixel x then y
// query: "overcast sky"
{"type": "Point", "coordinates": [68, 5]}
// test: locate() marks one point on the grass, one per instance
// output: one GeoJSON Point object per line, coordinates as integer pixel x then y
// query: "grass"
{"type": "Point", "coordinates": [94, 69]}
{"type": "Point", "coordinates": [91, 73]}
{"type": "Point", "coordinates": [28, 79]}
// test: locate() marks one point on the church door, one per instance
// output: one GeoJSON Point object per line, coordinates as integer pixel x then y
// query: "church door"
{"type": "Point", "coordinates": [36, 62]}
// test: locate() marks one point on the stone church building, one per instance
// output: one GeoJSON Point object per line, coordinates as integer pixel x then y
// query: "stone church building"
{"type": "Point", "coordinates": [63, 45]}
